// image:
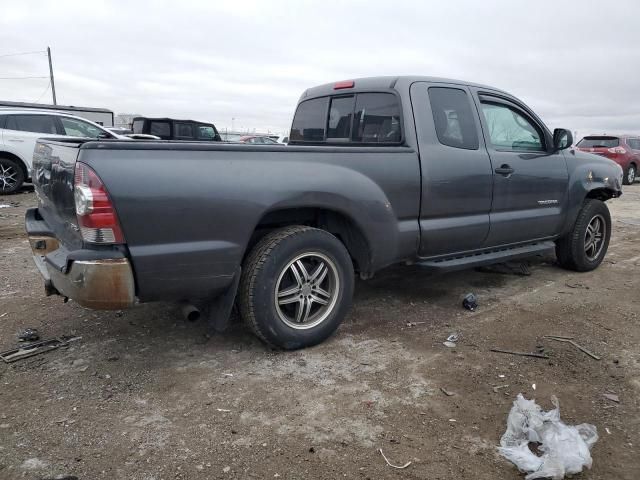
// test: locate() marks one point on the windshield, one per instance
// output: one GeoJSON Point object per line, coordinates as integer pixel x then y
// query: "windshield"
{"type": "Point", "coordinates": [602, 142]}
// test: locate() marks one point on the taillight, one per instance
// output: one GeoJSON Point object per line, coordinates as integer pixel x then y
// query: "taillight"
{"type": "Point", "coordinates": [96, 215]}
{"type": "Point", "coordinates": [617, 150]}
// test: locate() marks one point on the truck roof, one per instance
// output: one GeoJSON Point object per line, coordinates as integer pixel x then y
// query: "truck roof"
{"type": "Point", "coordinates": [385, 83]}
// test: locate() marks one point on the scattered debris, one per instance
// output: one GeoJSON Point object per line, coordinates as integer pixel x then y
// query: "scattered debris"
{"type": "Point", "coordinates": [470, 302]}
{"type": "Point", "coordinates": [227, 374]}
{"type": "Point", "coordinates": [391, 464]}
{"type": "Point", "coordinates": [5, 313]}
{"type": "Point", "coordinates": [577, 285]}
{"type": "Point", "coordinates": [4, 205]}
{"type": "Point", "coordinates": [499, 387]}
{"type": "Point", "coordinates": [569, 340]}
{"type": "Point", "coordinates": [223, 410]}
{"type": "Point", "coordinates": [28, 335]}
{"type": "Point", "coordinates": [522, 354]}
{"type": "Point", "coordinates": [454, 337]}
{"type": "Point", "coordinates": [501, 376]}
{"type": "Point", "coordinates": [564, 448]}
{"type": "Point", "coordinates": [31, 349]}
{"type": "Point", "coordinates": [612, 397]}
{"type": "Point", "coordinates": [447, 392]}
{"type": "Point", "coordinates": [450, 344]}
{"type": "Point", "coordinates": [607, 430]}
{"type": "Point", "coordinates": [413, 324]}
{"type": "Point", "coordinates": [533, 386]}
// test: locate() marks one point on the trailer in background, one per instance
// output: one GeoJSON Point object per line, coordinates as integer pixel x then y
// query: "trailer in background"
{"type": "Point", "coordinates": [101, 116]}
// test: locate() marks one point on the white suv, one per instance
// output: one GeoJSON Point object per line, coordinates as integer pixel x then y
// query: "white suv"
{"type": "Point", "coordinates": [19, 130]}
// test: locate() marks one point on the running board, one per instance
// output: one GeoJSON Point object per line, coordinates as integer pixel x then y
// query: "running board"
{"type": "Point", "coordinates": [487, 257]}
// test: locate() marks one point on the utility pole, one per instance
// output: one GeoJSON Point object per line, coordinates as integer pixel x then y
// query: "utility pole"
{"type": "Point", "coordinates": [53, 85]}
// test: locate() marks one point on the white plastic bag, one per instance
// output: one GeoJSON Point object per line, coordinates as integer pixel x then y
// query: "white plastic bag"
{"type": "Point", "coordinates": [565, 448]}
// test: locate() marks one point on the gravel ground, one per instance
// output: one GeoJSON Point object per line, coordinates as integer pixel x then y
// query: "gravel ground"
{"type": "Point", "coordinates": [145, 395]}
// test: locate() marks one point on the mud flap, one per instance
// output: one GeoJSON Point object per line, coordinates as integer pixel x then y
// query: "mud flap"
{"type": "Point", "coordinates": [218, 311]}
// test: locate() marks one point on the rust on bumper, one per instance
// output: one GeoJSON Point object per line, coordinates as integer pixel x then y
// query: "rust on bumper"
{"type": "Point", "coordinates": [98, 284]}
{"type": "Point", "coordinates": [41, 245]}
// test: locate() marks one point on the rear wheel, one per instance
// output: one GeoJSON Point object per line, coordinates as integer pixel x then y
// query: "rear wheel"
{"type": "Point", "coordinates": [585, 246]}
{"type": "Point", "coordinates": [296, 287]}
{"type": "Point", "coordinates": [11, 176]}
{"type": "Point", "coordinates": [630, 175]}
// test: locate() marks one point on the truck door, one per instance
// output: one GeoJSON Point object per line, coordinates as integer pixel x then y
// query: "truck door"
{"type": "Point", "coordinates": [456, 170]}
{"type": "Point", "coordinates": [530, 180]}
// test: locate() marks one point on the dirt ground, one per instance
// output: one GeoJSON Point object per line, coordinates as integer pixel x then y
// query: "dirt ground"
{"type": "Point", "coordinates": [145, 395]}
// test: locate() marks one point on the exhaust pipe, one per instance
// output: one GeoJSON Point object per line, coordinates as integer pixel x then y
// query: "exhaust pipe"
{"type": "Point", "coordinates": [190, 312]}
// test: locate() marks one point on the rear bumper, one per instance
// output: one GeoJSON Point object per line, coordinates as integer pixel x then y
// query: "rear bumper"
{"type": "Point", "coordinates": [99, 283]}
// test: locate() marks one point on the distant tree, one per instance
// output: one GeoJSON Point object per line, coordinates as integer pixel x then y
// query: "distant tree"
{"type": "Point", "coordinates": [125, 119]}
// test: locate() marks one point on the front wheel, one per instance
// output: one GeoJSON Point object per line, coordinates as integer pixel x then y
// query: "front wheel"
{"type": "Point", "coordinates": [630, 175]}
{"type": "Point", "coordinates": [296, 287]}
{"type": "Point", "coordinates": [585, 246]}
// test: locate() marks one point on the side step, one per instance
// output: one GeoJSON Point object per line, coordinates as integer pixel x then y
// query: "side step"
{"type": "Point", "coordinates": [487, 257]}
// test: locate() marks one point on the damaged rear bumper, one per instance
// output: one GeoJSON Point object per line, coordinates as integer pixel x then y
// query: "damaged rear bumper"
{"type": "Point", "coordinates": [89, 277]}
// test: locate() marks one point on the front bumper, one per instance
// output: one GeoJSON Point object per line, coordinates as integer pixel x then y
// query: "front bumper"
{"type": "Point", "coordinates": [99, 283]}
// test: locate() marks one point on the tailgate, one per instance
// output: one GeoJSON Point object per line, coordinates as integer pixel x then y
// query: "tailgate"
{"type": "Point", "coordinates": [52, 174]}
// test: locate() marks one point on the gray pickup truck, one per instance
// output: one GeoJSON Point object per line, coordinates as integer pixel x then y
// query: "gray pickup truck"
{"type": "Point", "coordinates": [439, 173]}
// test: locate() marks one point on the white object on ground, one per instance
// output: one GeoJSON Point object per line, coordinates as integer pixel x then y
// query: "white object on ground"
{"type": "Point", "coordinates": [565, 448]}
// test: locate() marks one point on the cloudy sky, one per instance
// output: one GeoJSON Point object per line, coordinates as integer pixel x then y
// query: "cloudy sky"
{"type": "Point", "coordinates": [577, 63]}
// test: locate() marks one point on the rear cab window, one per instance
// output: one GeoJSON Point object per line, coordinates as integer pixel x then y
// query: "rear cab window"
{"type": "Point", "coordinates": [599, 142]}
{"type": "Point", "coordinates": [355, 119]}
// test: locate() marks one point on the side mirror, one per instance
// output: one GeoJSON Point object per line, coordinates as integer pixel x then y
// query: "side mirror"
{"type": "Point", "coordinates": [562, 138]}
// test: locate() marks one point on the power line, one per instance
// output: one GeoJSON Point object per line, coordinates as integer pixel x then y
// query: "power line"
{"type": "Point", "coordinates": [45, 91]}
{"type": "Point", "coordinates": [22, 53]}
{"type": "Point", "coordinates": [21, 78]}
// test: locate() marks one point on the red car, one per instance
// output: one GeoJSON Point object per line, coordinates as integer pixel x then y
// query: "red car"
{"type": "Point", "coordinates": [623, 149]}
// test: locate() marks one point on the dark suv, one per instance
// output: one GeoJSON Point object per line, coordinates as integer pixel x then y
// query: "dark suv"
{"type": "Point", "coordinates": [622, 149]}
{"type": "Point", "coordinates": [172, 129]}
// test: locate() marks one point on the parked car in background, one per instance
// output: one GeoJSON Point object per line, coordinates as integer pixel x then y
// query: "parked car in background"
{"type": "Point", "coordinates": [120, 130]}
{"type": "Point", "coordinates": [172, 129]}
{"type": "Point", "coordinates": [438, 173]}
{"type": "Point", "coordinates": [19, 130]}
{"type": "Point", "coordinates": [284, 139]}
{"type": "Point", "coordinates": [258, 140]}
{"type": "Point", "coordinates": [622, 149]}
{"type": "Point", "coordinates": [101, 116]}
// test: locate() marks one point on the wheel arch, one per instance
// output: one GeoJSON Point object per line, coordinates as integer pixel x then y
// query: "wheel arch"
{"type": "Point", "coordinates": [345, 228]}
{"type": "Point", "coordinates": [15, 158]}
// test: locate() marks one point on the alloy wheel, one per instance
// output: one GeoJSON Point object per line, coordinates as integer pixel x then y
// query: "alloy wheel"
{"type": "Point", "coordinates": [594, 237]}
{"type": "Point", "coordinates": [307, 290]}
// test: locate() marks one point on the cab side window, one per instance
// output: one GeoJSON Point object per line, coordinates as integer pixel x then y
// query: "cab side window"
{"type": "Point", "coordinates": [510, 130]}
{"type": "Point", "coordinates": [453, 118]}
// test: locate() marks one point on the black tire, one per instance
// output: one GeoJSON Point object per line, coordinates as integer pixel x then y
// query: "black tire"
{"type": "Point", "coordinates": [573, 250]}
{"type": "Point", "coordinates": [630, 175]}
{"type": "Point", "coordinates": [269, 267]}
{"type": "Point", "coordinates": [11, 176]}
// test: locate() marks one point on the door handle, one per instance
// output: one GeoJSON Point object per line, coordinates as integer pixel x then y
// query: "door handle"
{"type": "Point", "coordinates": [505, 170]}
